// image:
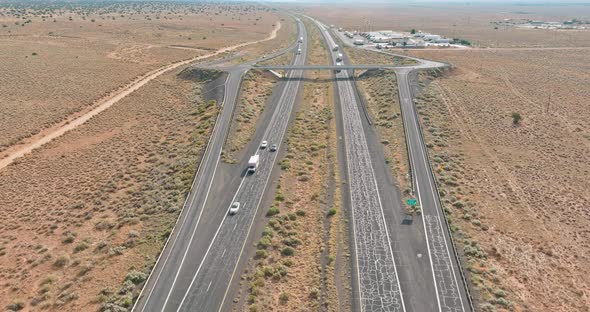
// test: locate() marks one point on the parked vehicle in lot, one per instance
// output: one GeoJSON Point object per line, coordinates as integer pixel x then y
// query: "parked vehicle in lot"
{"type": "Point", "coordinates": [233, 209]}
{"type": "Point", "coordinates": [273, 148]}
{"type": "Point", "coordinates": [264, 144]}
{"type": "Point", "coordinates": [253, 163]}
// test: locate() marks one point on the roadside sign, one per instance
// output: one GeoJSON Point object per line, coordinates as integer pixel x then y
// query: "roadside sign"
{"type": "Point", "coordinates": [412, 202]}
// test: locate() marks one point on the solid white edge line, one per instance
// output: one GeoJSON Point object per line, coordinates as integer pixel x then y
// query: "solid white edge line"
{"type": "Point", "coordinates": [180, 215]}
{"type": "Point", "coordinates": [438, 208]}
{"type": "Point", "coordinates": [326, 36]}
{"type": "Point", "coordinates": [351, 89]}
{"type": "Point", "coordinates": [200, 214]}
{"type": "Point", "coordinates": [235, 195]}
{"type": "Point", "coordinates": [405, 117]}
{"type": "Point", "coordinates": [210, 245]}
{"type": "Point", "coordinates": [258, 205]}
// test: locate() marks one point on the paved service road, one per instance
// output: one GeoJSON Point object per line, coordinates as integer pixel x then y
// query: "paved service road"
{"type": "Point", "coordinates": [451, 294]}
{"type": "Point", "coordinates": [198, 263]}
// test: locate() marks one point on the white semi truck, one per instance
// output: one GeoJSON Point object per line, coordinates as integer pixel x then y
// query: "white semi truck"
{"type": "Point", "coordinates": [253, 163]}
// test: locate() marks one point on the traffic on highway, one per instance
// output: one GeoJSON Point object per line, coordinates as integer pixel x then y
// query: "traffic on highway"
{"type": "Point", "coordinates": [205, 253]}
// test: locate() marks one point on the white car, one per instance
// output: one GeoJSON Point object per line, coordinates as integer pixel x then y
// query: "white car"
{"type": "Point", "coordinates": [233, 209]}
{"type": "Point", "coordinates": [264, 144]}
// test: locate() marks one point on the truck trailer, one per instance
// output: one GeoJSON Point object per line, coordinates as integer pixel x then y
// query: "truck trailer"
{"type": "Point", "coordinates": [253, 163]}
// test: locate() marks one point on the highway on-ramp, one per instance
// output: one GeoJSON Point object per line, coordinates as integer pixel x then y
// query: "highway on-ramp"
{"type": "Point", "coordinates": [451, 292]}
{"type": "Point", "coordinates": [198, 263]}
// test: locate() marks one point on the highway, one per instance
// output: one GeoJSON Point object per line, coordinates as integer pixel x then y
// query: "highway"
{"type": "Point", "coordinates": [200, 259]}
{"type": "Point", "coordinates": [451, 293]}
{"type": "Point", "coordinates": [427, 273]}
{"type": "Point", "coordinates": [377, 284]}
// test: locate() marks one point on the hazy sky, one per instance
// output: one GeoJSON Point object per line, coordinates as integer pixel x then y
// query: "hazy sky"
{"type": "Point", "coordinates": [540, 2]}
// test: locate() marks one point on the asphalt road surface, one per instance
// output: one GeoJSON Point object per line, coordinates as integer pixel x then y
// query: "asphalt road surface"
{"type": "Point", "coordinates": [427, 272]}
{"type": "Point", "coordinates": [199, 261]}
{"type": "Point", "coordinates": [378, 284]}
{"type": "Point", "coordinates": [451, 293]}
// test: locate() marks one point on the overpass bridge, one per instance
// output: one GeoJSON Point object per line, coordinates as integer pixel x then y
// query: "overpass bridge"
{"type": "Point", "coordinates": [326, 67]}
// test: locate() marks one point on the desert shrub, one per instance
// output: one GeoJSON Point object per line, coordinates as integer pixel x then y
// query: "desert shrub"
{"type": "Point", "coordinates": [261, 254]}
{"type": "Point", "coordinates": [61, 261]}
{"type": "Point", "coordinates": [117, 251]}
{"type": "Point", "coordinates": [69, 238]}
{"type": "Point", "coordinates": [314, 293]}
{"type": "Point", "coordinates": [81, 246]}
{"type": "Point", "coordinates": [300, 213]}
{"type": "Point", "coordinates": [500, 293]}
{"type": "Point", "coordinates": [267, 232]}
{"type": "Point", "coordinates": [288, 251]}
{"type": "Point", "coordinates": [135, 277]}
{"type": "Point", "coordinates": [331, 212]}
{"type": "Point", "coordinates": [15, 306]}
{"type": "Point", "coordinates": [272, 211]}
{"type": "Point", "coordinates": [516, 118]}
{"type": "Point", "coordinates": [284, 297]}
{"type": "Point", "coordinates": [263, 243]}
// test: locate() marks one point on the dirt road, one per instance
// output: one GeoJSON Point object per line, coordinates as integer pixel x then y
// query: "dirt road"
{"type": "Point", "coordinates": [28, 145]}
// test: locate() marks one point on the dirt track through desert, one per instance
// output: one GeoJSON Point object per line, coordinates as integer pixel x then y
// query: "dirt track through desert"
{"type": "Point", "coordinates": [107, 102]}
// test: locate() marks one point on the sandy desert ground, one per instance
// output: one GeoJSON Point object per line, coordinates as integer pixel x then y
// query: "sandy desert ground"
{"type": "Point", "coordinates": [65, 60]}
{"type": "Point", "coordinates": [94, 205]}
{"type": "Point", "coordinates": [517, 195]}
{"type": "Point", "coordinates": [87, 214]}
{"type": "Point", "coordinates": [519, 192]}
{"type": "Point", "coordinates": [471, 22]}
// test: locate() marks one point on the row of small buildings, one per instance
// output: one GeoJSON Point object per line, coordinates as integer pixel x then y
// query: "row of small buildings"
{"type": "Point", "coordinates": [389, 37]}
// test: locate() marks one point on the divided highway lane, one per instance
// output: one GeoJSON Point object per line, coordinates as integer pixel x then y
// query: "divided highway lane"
{"type": "Point", "coordinates": [378, 283]}
{"type": "Point", "coordinates": [451, 293]}
{"type": "Point", "coordinates": [208, 290]}
{"type": "Point", "coordinates": [196, 227]}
